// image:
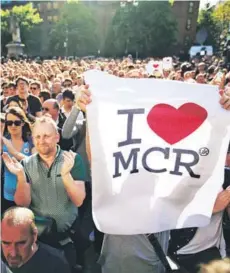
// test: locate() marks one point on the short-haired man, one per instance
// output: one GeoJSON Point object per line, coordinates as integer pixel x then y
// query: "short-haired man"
{"type": "Point", "coordinates": [32, 103]}
{"type": "Point", "coordinates": [67, 83]}
{"type": "Point", "coordinates": [67, 102]}
{"type": "Point", "coordinates": [11, 87]}
{"type": "Point", "coordinates": [35, 88]}
{"type": "Point", "coordinates": [51, 181]}
{"type": "Point", "coordinates": [44, 95]}
{"type": "Point", "coordinates": [52, 108]}
{"type": "Point", "coordinates": [20, 248]}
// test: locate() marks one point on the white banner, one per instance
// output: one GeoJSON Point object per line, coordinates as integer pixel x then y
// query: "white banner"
{"type": "Point", "coordinates": [158, 153]}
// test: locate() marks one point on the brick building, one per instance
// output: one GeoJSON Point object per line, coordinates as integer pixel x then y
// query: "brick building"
{"type": "Point", "coordinates": [186, 13]}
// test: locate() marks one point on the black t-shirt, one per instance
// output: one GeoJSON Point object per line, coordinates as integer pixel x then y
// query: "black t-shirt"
{"type": "Point", "coordinates": [34, 104]}
{"type": "Point", "coordinates": [45, 260]}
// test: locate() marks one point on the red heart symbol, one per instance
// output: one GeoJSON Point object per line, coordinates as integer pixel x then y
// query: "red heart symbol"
{"type": "Point", "coordinates": [173, 124]}
{"type": "Point", "coordinates": [155, 65]}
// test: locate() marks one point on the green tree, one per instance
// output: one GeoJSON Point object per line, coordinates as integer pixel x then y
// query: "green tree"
{"type": "Point", "coordinates": [149, 29]}
{"type": "Point", "coordinates": [28, 18]}
{"type": "Point", "coordinates": [216, 21]}
{"type": "Point", "coordinates": [222, 15]}
{"type": "Point", "coordinates": [75, 33]}
{"type": "Point", "coordinates": [207, 21]}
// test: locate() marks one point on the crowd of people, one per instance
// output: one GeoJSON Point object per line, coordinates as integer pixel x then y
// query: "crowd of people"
{"type": "Point", "coordinates": [47, 223]}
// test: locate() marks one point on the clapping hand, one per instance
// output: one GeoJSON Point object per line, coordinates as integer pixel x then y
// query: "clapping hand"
{"type": "Point", "coordinates": [69, 158]}
{"type": "Point", "coordinates": [12, 164]}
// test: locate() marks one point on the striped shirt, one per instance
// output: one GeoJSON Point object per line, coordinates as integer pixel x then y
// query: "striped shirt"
{"type": "Point", "coordinates": [48, 195]}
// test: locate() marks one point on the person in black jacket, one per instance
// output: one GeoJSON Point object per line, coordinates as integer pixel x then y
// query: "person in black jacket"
{"type": "Point", "coordinates": [51, 107]}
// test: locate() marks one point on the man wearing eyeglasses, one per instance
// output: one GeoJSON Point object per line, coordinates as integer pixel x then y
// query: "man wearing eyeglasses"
{"type": "Point", "coordinates": [35, 88]}
{"type": "Point", "coordinates": [32, 103]}
{"type": "Point", "coordinates": [51, 108]}
{"type": "Point", "coordinates": [51, 182]}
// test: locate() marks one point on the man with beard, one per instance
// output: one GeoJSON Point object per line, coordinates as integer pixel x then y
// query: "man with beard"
{"type": "Point", "coordinates": [51, 181]}
{"type": "Point", "coordinates": [20, 249]}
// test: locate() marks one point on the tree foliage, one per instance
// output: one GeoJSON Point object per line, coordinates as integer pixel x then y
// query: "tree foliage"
{"type": "Point", "coordinates": [149, 29]}
{"type": "Point", "coordinates": [222, 16]}
{"type": "Point", "coordinates": [26, 14]}
{"type": "Point", "coordinates": [28, 18]}
{"type": "Point", "coordinates": [216, 21]}
{"type": "Point", "coordinates": [207, 21]}
{"type": "Point", "coordinates": [76, 27]}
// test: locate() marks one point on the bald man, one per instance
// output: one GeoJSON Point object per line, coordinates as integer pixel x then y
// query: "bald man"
{"type": "Point", "coordinates": [51, 182]}
{"type": "Point", "coordinates": [52, 108]}
{"type": "Point", "coordinates": [20, 248]}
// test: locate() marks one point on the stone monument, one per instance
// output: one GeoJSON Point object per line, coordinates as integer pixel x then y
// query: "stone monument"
{"type": "Point", "coordinates": [15, 47]}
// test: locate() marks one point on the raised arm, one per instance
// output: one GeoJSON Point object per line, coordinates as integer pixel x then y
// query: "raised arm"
{"type": "Point", "coordinates": [70, 128]}
{"type": "Point", "coordinates": [83, 100]}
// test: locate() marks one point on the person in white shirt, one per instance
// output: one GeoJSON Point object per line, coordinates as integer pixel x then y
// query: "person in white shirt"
{"type": "Point", "coordinates": [67, 102]}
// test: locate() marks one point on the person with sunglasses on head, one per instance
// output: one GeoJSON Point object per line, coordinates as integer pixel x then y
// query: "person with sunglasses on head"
{"type": "Point", "coordinates": [18, 143]}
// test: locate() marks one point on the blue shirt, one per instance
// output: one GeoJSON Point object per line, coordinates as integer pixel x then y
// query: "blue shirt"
{"type": "Point", "coordinates": [10, 180]}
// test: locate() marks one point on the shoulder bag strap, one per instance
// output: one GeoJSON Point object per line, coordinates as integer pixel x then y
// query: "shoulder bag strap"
{"type": "Point", "coordinates": [159, 251]}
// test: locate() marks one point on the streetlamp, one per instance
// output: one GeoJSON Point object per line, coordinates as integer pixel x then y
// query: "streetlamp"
{"type": "Point", "coordinates": [66, 41]}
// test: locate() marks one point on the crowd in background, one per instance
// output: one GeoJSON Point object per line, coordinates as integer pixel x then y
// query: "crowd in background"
{"type": "Point", "coordinates": [46, 168]}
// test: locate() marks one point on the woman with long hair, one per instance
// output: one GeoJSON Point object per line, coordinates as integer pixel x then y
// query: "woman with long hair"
{"type": "Point", "coordinates": [44, 81]}
{"type": "Point", "coordinates": [17, 142]}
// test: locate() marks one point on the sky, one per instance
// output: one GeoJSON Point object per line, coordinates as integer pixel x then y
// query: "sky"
{"type": "Point", "coordinates": [203, 2]}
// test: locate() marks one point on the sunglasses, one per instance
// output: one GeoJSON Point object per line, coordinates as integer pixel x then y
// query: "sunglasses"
{"type": "Point", "coordinates": [15, 122]}
{"type": "Point", "coordinates": [45, 109]}
{"type": "Point", "coordinates": [67, 85]}
{"type": "Point", "coordinates": [33, 88]}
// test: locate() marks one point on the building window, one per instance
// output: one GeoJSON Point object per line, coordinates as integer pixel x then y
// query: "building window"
{"type": "Point", "coordinates": [55, 18]}
{"type": "Point", "coordinates": [49, 18]}
{"type": "Point", "coordinates": [190, 7]}
{"type": "Point", "coordinates": [49, 6]}
{"type": "Point", "coordinates": [188, 24]}
{"type": "Point", "coordinates": [55, 5]}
